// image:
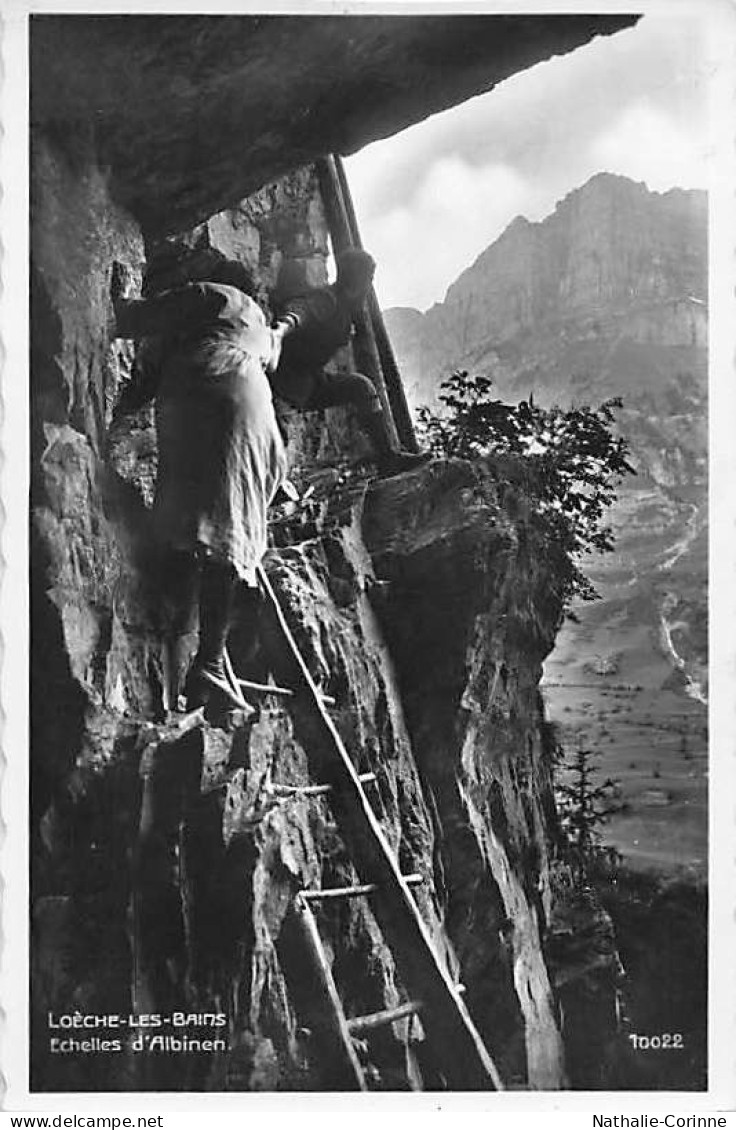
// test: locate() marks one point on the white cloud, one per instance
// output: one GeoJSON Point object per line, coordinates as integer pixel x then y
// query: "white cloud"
{"type": "Point", "coordinates": [646, 144]}
{"type": "Point", "coordinates": [432, 198]}
{"type": "Point", "coordinates": [457, 210]}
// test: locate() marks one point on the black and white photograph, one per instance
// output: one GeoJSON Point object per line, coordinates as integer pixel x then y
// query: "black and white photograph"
{"type": "Point", "coordinates": [368, 696]}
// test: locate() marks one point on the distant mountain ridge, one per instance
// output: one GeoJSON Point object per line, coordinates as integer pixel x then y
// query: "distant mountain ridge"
{"type": "Point", "coordinates": [612, 261]}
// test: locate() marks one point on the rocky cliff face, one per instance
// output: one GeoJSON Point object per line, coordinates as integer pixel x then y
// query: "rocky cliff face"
{"type": "Point", "coordinates": [614, 264]}
{"type": "Point", "coordinates": [166, 865]}
{"type": "Point", "coordinates": [165, 860]}
{"type": "Point", "coordinates": [607, 243]}
{"type": "Point", "coordinates": [190, 113]}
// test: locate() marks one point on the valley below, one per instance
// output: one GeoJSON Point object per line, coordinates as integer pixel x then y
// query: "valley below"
{"type": "Point", "coordinates": [627, 681]}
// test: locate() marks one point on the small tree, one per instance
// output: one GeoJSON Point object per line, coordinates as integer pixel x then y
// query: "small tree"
{"type": "Point", "coordinates": [572, 462]}
{"type": "Point", "coordinates": [584, 806]}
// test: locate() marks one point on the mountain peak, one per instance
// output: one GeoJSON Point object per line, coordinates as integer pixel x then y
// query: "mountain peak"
{"type": "Point", "coordinates": [602, 188]}
{"type": "Point", "coordinates": [606, 180]}
{"type": "Point", "coordinates": [609, 185]}
{"type": "Point", "coordinates": [605, 241]}
{"type": "Point", "coordinates": [517, 223]}
{"type": "Point", "coordinates": [611, 251]}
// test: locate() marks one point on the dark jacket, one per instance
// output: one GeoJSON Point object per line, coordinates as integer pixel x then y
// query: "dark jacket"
{"type": "Point", "coordinates": [323, 324]}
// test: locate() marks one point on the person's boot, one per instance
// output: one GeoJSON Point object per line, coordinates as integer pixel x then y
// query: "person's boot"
{"type": "Point", "coordinates": [390, 461]}
{"type": "Point", "coordinates": [176, 598]}
{"type": "Point", "coordinates": [208, 682]}
{"type": "Point", "coordinates": [175, 655]}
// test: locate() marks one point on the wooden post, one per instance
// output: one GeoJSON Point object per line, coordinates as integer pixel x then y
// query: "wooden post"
{"type": "Point", "coordinates": [366, 351]}
{"type": "Point", "coordinates": [389, 366]}
{"type": "Point", "coordinates": [329, 1021]}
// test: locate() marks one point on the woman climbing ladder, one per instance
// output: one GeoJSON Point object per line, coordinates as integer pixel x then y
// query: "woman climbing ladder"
{"type": "Point", "coordinates": [221, 459]}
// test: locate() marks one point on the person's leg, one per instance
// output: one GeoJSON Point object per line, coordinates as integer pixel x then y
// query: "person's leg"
{"type": "Point", "coordinates": [356, 389]}
{"type": "Point", "coordinates": [216, 600]}
{"type": "Point", "coordinates": [215, 611]}
{"type": "Point", "coordinates": [333, 389]}
{"type": "Point", "coordinates": [177, 595]}
{"type": "Point", "coordinates": [244, 643]}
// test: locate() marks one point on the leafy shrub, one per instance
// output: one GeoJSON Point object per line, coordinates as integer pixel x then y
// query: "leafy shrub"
{"type": "Point", "coordinates": [572, 463]}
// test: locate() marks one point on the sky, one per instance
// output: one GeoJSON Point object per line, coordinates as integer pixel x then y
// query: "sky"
{"type": "Point", "coordinates": [430, 199]}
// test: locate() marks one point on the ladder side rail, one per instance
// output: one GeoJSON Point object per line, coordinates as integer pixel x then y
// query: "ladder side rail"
{"type": "Point", "coordinates": [365, 347]}
{"type": "Point", "coordinates": [389, 365]}
{"type": "Point", "coordinates": [327, 1019]}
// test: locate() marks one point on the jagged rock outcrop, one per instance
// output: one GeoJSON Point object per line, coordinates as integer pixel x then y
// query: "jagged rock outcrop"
{"type": "Point", "coordinates": [192, 113]}
{"type": "Point", "coordinates": [590, 984]}
{"type": "Point", "coordinates": [174, 857]}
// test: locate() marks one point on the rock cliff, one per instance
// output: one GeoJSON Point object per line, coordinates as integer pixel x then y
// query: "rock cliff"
{"type": "Point", "coordinates": [165, 859]}
{"type": "Point", "coordinates": [163, 871]}
{"type": "Point", "coordinates": [192, 113]}
{"type": "Point", "coordinates": [550, 303]}
{"type": "Point", "coordinates": [166, 865]}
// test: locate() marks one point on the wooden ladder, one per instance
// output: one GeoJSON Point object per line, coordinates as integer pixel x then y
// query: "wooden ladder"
{"type": "Point", "coordinates": [453, 1040]}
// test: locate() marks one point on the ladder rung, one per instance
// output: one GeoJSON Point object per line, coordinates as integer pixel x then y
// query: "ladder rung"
{"type": "Point", "coordinates": [316, 790]}
{"type": "Point", "coordinates": [373, 1020]}
{"type": "Point", "coordinates": [233, 679]}
{"type": "Point", "coordinates": [354, 892]}
{"type": "Point", "coordinates": [284, 692]}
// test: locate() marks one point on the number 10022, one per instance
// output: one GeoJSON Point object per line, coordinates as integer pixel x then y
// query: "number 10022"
{"type": "Point", "coordinates": [665, 1040]}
